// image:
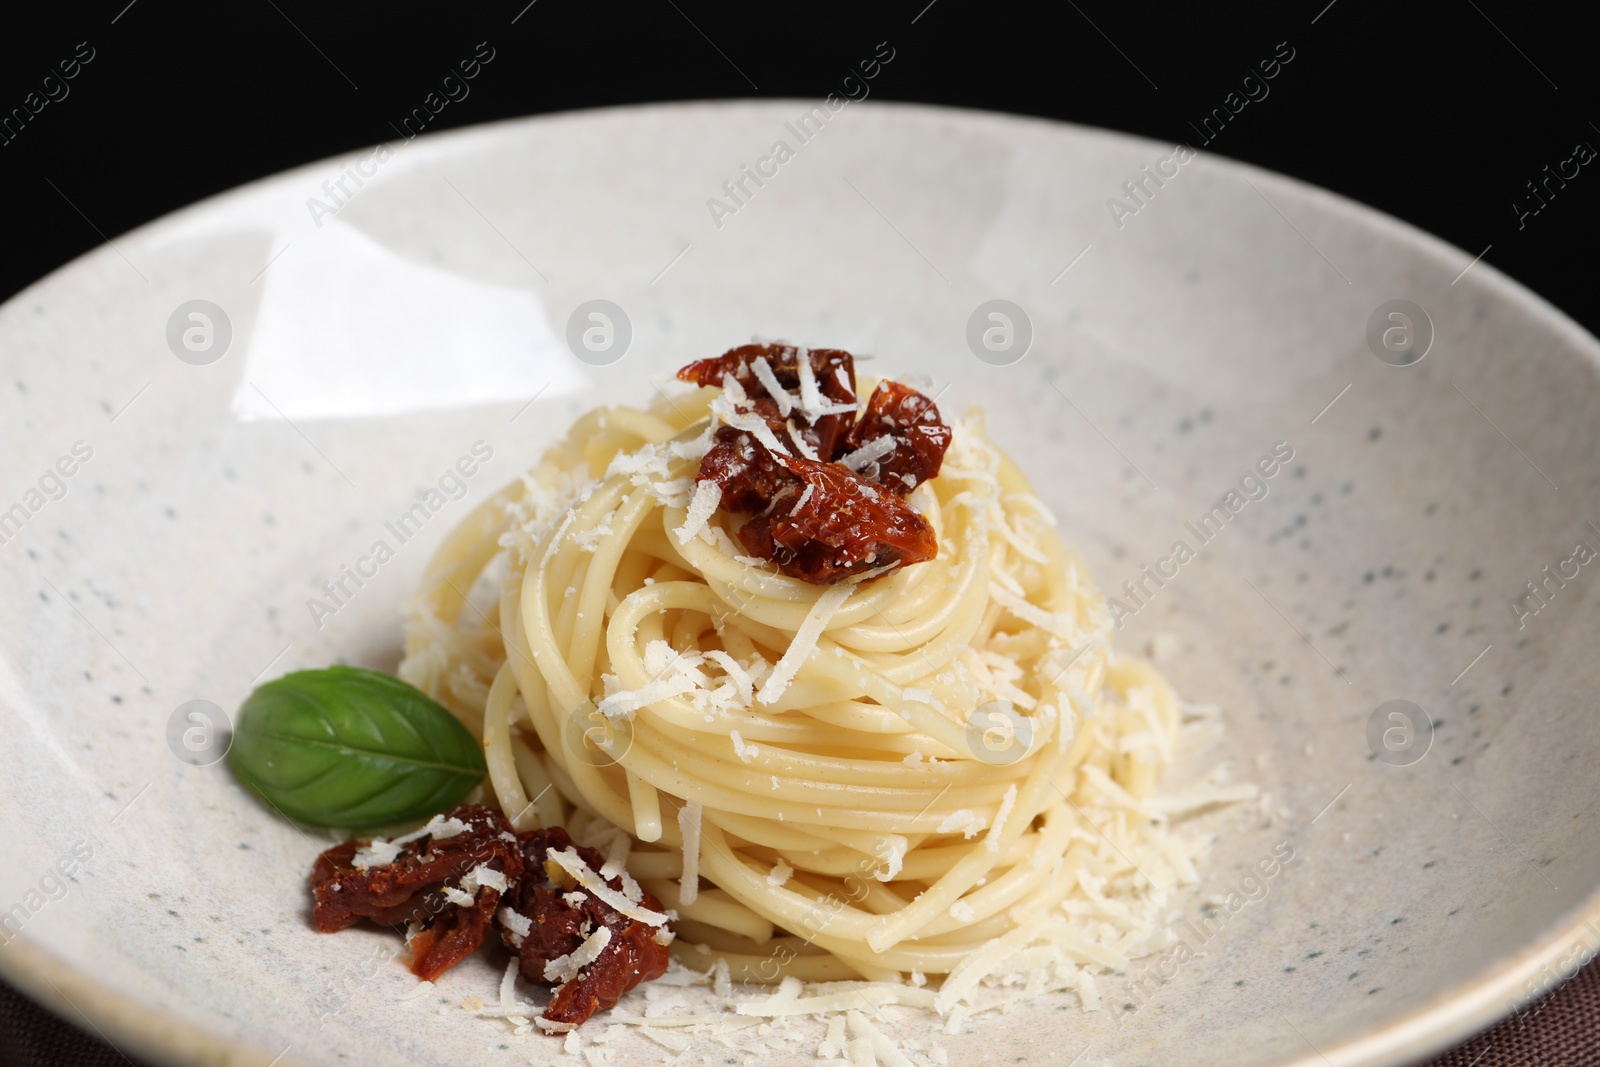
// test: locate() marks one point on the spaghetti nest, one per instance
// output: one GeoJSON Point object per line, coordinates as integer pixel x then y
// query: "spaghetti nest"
{"type": "Point", "coordinates": [925, 772]}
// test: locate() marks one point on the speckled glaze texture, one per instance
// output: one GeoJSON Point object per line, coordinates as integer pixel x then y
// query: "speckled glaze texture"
{"type": "Point", "coordinates": [1228, 315]}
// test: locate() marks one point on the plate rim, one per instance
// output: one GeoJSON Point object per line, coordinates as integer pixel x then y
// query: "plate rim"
{"type": "Point", "coordinates": [1455, 1015]}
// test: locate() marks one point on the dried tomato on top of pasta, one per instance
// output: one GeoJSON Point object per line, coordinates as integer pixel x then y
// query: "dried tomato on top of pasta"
{"type": "Point", "coordinates": [816, 390]}
{"type": "Point", "coordinates": [904, 428]}
{"type": "Point", "coordinates": [822, 494]}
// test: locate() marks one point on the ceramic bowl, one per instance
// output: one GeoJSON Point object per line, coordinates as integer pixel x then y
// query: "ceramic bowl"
{"type": "Point", "coordinates": [1399, 624]}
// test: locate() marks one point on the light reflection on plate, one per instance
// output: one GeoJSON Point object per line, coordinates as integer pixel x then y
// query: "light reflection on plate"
{"type": "Point", "coordinates": [348, 329]}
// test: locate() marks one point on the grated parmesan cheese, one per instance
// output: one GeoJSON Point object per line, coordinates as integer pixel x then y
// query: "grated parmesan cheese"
{"type": "Point", "coordinates": [965, 820]}
{"type": "Point", "coordinates": [1088, 991]}
{"type": "Point", "coordinates": [884, 1050]}
{"type": "Point", "coordinates": [566, 968]}
{"type": "Point", "coordinates": [549, 1026]}
{"type": "Point", "coordinates": [589, 540]}
{"type": "Point", "coordinates": [780, 873]}
{"type": "Point", "coordinates": [614, 867]}
{"type": "Point", "coordinates": [381, 853]}
{"type": "Point", "coordinates": [992, 841]}
{"type": "Point", "coordinates": [1059, 625]}
{"type": "Point", "coordinates": [753, 425]}
{"type": "Point", "coordinates": [482, 876]}
{"type": "Point", "coordinates": [422, 989]}
{"type": "Point", "coordinates": [805, 498]}
{"type": "Point", "coordinates": [812, 403]}
{"type": "Point", "coordinates": [769, 381]}
{"type": "Point", "coordinates": [689, 826]}
{"type": "Point", "coordinates": [626, 702]}
{"type": "Point", "coordinates": [833, 1045]}
{"type": "Point", "coordinates": [810, 395]}
{"type": "Point", "coordinates": [869, 994]}
{"type": "Point", "coordinates": [801, 443]}
{"type": "Point", "coordinates": [666, 1039]}
{"type": "Point", "coordinates": [569, 860]}
{"type": "Point", "coordinates": [697, 448]}
{"type": "Point", "coordinates": [508, 987]}
{"type": "Point", "coordinates": [707, 497]}
{"type": "Point", "coordinates": [1201, 797]}
{"type": "Point", "coordinates": [376, 853]}
{"type": "Point", "coordinates": [869, 453]}
{"type": "Point", "coordinates": [745, 752]}
{"type": "Point", "coordinates": [555, 539]}
{"type": "Point", "coordinates": [518, 924]}
{"type": "Point", "coordinates": [741, 679]}
{"type": "Point", "coordinates": [805, 642]}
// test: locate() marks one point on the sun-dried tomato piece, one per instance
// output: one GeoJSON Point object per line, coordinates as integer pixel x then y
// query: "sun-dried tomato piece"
{"type": "Point", "coordinates": [833, 369]}
{"type": "Point", "coordinates": [561, 915]}
{"type": "Point", "coordinates": [819, 522]}
{"type": "Point", "coordinates": [911, 422]}
{"type": "Point", "coordinates": [817, 519]}
{"type": "Point", "coordinates": [470, 852]}
{"type": "Point", "coordinates": [447, 938]}
{"type": "Point", "coordinates": [838, 525]}
{"type": "Point", "coordinates": [751, 476]}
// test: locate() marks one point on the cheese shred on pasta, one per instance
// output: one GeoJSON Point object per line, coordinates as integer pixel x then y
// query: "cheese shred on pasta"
{"type": "Point", "coordinates": [945, 770]}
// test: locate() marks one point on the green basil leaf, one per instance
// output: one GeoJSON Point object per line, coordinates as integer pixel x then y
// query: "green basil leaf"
{"type": "Point", "coordinates": [353, 749]}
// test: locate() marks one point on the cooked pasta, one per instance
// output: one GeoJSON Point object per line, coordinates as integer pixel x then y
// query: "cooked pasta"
{"type": "Point", "coordinates": [914, 773]}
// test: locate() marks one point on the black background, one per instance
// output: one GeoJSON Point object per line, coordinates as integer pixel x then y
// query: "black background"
{"type": "Point", "coordinates": [1437, 113]}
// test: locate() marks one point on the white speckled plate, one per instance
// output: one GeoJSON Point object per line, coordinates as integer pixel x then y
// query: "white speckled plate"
{"type": "Point", "coordinates": [386, 311]}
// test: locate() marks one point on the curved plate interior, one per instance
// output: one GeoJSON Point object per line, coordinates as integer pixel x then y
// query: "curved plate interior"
{"type": "Point", "coordinates": [374, 336]}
